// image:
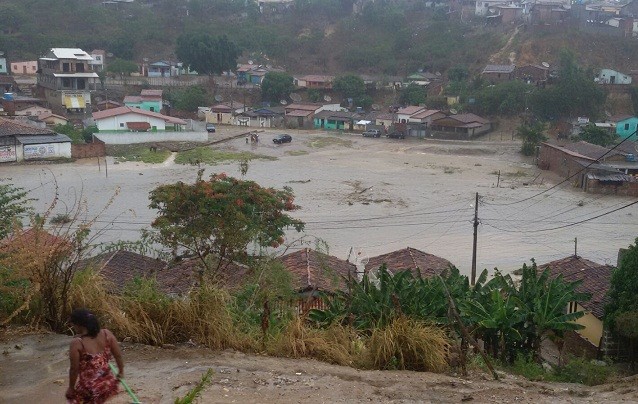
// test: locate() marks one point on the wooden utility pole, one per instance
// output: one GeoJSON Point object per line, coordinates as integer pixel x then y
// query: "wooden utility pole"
{"type": "Point", "coordinates": [476, 223]}
{"type": "Point", "coordinates": [575, 246]}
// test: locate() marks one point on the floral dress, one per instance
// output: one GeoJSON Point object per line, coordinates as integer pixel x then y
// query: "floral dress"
{"type": "Point", "coordinates": [96, 383]}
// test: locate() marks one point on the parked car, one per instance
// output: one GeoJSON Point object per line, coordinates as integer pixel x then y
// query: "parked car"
{"type": "Point", "coordinates": [279, 139]}
{"type": "Point", "coordinates": [372, 133]}
{"type": "Point", "coordinates": [210, 128]}
{"type": "Point", "coordinates": [395, 135]}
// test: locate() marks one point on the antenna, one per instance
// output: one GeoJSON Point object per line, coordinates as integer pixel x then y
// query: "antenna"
{"type": "Point", "coordinates": [283, 102]}
{"type": "Point", "coordinates": [295, 97]}
{"type": "Point", "coordinates": [219, 98]}
{"type": "Point", "coordinates": [327, 98]}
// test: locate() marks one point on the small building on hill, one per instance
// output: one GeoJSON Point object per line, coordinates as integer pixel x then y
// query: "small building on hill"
{"type": "Point", "coordinates": [498, 73]}
{"type": "Point", "coordinates": [148, 100]}
{"type": "Point", "coordinates": [460, 126]}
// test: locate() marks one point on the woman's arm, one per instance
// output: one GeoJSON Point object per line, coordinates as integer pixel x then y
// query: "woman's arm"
{"type": "Point", "coordinates": [117, 353]}
{"type": "Point", "coordinates": [74, 368]}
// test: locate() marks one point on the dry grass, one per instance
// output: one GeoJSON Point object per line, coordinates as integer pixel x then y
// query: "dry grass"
{"type": "Point", "coordinates": [332, 345]}
{"type": "Point", "coordinates": [408, 344]}
{"type": "Point", "coordinates": [202, 317]}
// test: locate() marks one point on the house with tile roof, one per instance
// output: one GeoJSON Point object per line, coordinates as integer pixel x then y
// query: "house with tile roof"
{"type": "Point", "coordinates": [135, 120]}
{"type": "Point", "coordinates": [460, 126]}
{"type": "Point", "coordinates": [334, 120]}
{"type": "Point", "coordinates": [416, 261]}
{"type": "Point", "coordinates": [301, 115]}
{"type": "Point", "coordinates": [498, 73]}
{"type": "Point", "coordinates": [148, 100]}
{"type": "Point", "coordinates": [19, 142]}
{"type": "Point", "coordinates": [403, 114]}
{"type": "Point", "coordinates": [596, 280]}
{"type": "Point", "coordinates": [315, 81]}
{"type": "Point", "coordinates": [313, 272]}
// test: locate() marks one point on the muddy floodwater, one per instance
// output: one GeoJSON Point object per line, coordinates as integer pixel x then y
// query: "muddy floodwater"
{"type": "Point", "coordinates": [365, 196]}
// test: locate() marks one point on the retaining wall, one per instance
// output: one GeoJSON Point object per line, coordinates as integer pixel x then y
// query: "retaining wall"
{"type": "Point", "coordinates": [149, 137]}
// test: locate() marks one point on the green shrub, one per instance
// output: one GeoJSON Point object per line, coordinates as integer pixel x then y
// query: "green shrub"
{"type": "Point", "coordinates": [583, 371]}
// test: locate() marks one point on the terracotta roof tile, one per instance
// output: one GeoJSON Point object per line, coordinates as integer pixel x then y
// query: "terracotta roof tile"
{"type": "Point", "coordinates": [10, 127]}
{"type": "Point", "coordinates": [595, 278]}
{"type": "Point", "coordinates": [107, 113]}
{"type": "Point", "coordinates": [412, 259]}
{"type": "Point", "coordinates": [311, 269]}
{"type": "Point", "coordinates": [592, 151]}
{"type": "Point", "coordinates": [181, 278]}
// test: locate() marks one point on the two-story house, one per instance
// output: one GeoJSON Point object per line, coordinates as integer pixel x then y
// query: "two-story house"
{"type": "Point", "coordinates": [66, 80]}
{"type": "Point", "coordinates": [98, 63]}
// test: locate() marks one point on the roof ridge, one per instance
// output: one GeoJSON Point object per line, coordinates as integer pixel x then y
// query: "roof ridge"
{"type": "Point", "coordinates": [412, 257]}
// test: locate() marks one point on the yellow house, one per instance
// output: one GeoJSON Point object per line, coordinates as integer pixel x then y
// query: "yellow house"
{"type": "Point", "coordinates": [595, 279]}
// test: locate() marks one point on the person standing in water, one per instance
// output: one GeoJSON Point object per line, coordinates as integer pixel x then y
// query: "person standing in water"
{"type": "Point", "coordinates": [90, 378]}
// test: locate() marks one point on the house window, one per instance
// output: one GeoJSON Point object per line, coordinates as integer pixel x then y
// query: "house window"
{"type": "Point", "coordinates": [626, 126]}
{"type": "Point", "coordinates": [79, 67]}
{"type": "Point", "coordinates": [152, 109]}
{"type": "Point", "coordinates": [65, 67]}
{"type": "Point", "coordinates": [66, 82]}
{"type": "Point", "coordinates": [573, 308]}
{"type": "Point", "coordinates": [32, 68]}
{"type": "Point", "coordinates": [121, 124]}
{"type": "Point", "coordinates": [81, 84]}
{"type": "Point", "coordinates": [0, 67]}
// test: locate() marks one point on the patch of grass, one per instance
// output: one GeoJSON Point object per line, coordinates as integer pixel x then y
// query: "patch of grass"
{"type": "Point", "coordinates": [577, 370]}
{"type": "Point", "coordinates": [207, 155]}
{"type": "Point", "coordinates": [516, 174]}
{"type": "Point", "coordinates": [322, 142]}
{"type": "Point", "coordinates": [60, 218]}
{"type": "Point", "coordinates": [196, 391]}
{"type": "Point", "coordinates": [408, 344]}
{"type": "Point", "coordinates": [138, 153]}
{"type": "Point", "coordinates": [296, 153]}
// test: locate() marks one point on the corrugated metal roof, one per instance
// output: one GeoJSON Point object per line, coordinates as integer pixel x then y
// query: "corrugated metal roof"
{"type": "Point", "coordinates": [499, 69]}
{"type": "Point", "coordinates": [42, 139]}
{"type": "Point", "coordinates": [81, 75]}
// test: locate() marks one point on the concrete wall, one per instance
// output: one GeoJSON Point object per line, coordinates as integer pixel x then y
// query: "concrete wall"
{"type": "Point", "coordinates": [149, 137]}
{"type": "Point", "coordinates": [44, 151]}
{"type": "Point", "coordinates": [608, 188]}
{"type": "Point", "coordinates": [557, 161]}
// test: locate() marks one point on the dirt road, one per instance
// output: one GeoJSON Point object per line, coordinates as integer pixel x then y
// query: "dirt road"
{"type": "Point", "coordinates": [374, 196]}
{"type": "Point", "coordinates": [34, 370]}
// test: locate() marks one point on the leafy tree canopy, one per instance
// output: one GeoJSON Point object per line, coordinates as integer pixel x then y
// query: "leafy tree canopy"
{"type": "Point", "coordinates": [207, 54]}
{"type": "Point", "coordinates": [624, 286]}
{"type": "Point", "coordinates": [413, 94]}
{"type": "Point", "coordinates": [593, 134]}
{"type": "Point", "coordinates": [532, 135]}
{"type": "Point", "coordinates": [121, 67]}
{"type": "Point", "coordinates": [188, 99]}
{"type": "Point", "coordinates": [350, 86]}
{"type": "Point", "coordinates": [277, 86]}
{"type": "Point", "coordinates": [221, 216]}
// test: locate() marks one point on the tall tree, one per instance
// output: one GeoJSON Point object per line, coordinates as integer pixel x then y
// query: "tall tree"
{"type": "Point", "coordinates": [350, 86]}
{"type": "Point", "coordinates": [276, 86]}
{"type": "Point", "coordinates": [221, 216]}
{"type": "Point", "coordinates": [121, 67]}
{"type": "Point", "coordinates": [413, 94]}
{"type": "Point", "coordinates": [207, 54]}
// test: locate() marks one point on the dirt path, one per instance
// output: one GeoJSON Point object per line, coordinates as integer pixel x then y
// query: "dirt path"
{"type": "Point", "coordinates": [34, 370]}
{"type": "Point", "coordinates": [498, 56]}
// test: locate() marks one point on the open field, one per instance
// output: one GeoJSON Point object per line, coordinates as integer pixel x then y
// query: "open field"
{"type": "Point", "coordinates": [372, 195]}
{"type": "Point", "coordinates": [38, 369]}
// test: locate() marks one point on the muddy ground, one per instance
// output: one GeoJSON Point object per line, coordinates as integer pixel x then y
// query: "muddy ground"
{"type": "Point", "coordinates": [34, 370]}
{"type": "Point", "coordinates": [371, 196]}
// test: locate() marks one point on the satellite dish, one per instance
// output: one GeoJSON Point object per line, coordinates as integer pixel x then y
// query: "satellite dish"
{"type": "Point", "coordinates": [453, 111]}
{"type": "Point", "coordinates": [327, 98]}
{"type": "Point", "coordinates": [376, 107]}
{"type": "Point", "coordinates": [250, 62]}
{"type": "Point", "coordinates": [283, 102]}
{"type": "Point", "coordinates": [219, 98]}
{"type": "Point", "coordinates": [545, 64]}
{"type": "Point", "coordinates": [295, 97]}
{"type": "Point", "coordinates": [437, 74]}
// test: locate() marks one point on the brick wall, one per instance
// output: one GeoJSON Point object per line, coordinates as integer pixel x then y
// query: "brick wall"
{"type": "Point", "coordinates": [558, 161]}
{"type": "Point", "coordinates": [86, 150]}
{"type": "Point", "coordinates": [624, 188]}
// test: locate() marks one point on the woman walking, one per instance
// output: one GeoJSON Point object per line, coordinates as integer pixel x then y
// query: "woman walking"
{"type": "Point", "coordinates": [90, 378]}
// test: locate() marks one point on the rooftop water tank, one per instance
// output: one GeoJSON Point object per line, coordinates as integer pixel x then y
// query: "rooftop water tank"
{"type": "Point", "coordinates": [8, 96]}
{"type": "Point", "coordinates": [630, 157]}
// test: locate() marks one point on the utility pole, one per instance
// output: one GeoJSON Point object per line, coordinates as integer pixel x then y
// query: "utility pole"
{"type": "Point", "coordinates": [476, 223]}
{"type": "Point", "coordinates": [575, 246]}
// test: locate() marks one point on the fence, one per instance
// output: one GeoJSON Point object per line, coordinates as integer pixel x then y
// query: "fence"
{"type": "Point", "coordinates": [148, 137]}
{"type": "Point", "coordinates": [181, 81]}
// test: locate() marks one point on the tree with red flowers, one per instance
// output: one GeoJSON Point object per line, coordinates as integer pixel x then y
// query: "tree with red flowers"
{"type": "Point", "coordinates": [216, 220]}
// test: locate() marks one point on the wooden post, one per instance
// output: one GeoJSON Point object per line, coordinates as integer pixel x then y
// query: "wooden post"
{"type": "Point", "coordinates": [464, 331]}
{"type": "Point", "coordinates": [498, 179]}
{"type": "Point", "coordinates": [476, 223]}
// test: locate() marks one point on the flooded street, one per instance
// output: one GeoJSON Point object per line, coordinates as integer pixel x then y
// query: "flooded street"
{"type": "Point", "coordinates": [372, 196]}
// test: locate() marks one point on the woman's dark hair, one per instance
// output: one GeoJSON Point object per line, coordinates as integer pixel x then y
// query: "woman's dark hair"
{"type": "Point", "coordinates": [86, 319]}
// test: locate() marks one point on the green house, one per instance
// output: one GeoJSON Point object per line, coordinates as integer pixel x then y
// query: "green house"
{"type": "Point", "coordinates": [626, 126]}
{"type": "Point", "coordinates": [148, 100]}
{"type": "Point", "coordinates": [333, 120]}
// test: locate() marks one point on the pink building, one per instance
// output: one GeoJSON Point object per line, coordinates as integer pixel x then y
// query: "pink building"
{"type": "Point", "coordinates": [29, 67]}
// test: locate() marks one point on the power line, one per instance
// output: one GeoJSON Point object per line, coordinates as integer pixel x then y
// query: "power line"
{"type": "Point", "coordinates": [566, 179]}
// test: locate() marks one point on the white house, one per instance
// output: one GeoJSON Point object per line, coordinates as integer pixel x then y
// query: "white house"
{"type": "Point", "coordinates": [404, 114]}
{"type": "Point", "coordinates": [136, 120]}
{"type": "Point", "coordinates": [608, 76]}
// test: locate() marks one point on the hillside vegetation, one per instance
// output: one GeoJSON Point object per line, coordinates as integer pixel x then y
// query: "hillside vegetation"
{"type": "Point", "coordinates": [316, 37]}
